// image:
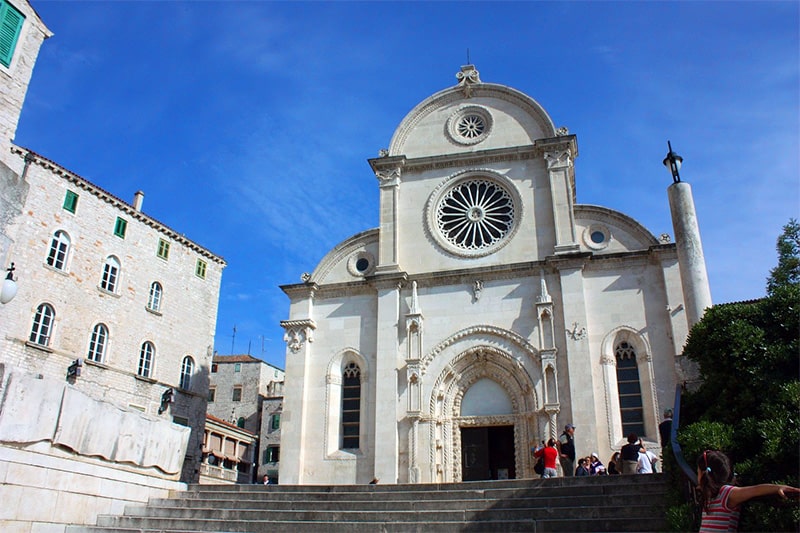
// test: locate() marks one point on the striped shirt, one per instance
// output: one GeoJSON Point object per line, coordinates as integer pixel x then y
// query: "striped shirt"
{"type": "Point", "coordinates": [718, 516]}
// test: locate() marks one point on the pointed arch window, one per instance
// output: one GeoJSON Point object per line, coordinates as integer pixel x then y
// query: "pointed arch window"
{"type": "Point", "coordinates": [110, 274]}
{"type": "Point", "coordinates": [187, 369]}
{"type": "Point", "coordinates": [154, 300]}
{"type": "Point", "coordinates": [146, 355]}
{"type": "Point", "coordinates": [42, 325]}
{"type": "Point", "coordinates": [629, 390]}
{"type": "Point", "coordinates": [97, 344]}
{"type": "Point", "coordinates": [59, 250]}
{"type": "Point", "coordinates": [351, 406]}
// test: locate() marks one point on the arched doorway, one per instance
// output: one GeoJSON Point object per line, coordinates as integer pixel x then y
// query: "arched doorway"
{"type": "Point", "coordinates": [484, 411]}
{"type": "Point", "coordinates": [487, 451]}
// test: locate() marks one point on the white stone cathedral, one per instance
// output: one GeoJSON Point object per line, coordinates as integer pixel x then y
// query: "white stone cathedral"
{"type": "Point", "coordinates": [487, 311]}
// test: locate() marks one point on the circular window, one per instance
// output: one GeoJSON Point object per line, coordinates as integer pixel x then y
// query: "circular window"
{"type": "Point", "coordinates": [361, 264]}
{"type": "Point", "coordinates": [469, 125]}
{"type": "Point", "coordinates": [475, 216]}
{"type": "Point", "coordinates": [596, 236]}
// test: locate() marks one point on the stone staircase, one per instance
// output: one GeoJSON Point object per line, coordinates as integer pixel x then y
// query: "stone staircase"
{"type": "Point", "coordinates": [603, 503]}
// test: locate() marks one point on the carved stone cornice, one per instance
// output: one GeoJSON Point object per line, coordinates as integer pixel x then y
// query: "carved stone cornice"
{"type": "Point", "coordinates": [569, 261]}
{"type": "Point", "coordinates": [298, 332]}
{"type": "Point", "coordinates": [388, 170]}
{"type": "Point", "coordinates": [388, 280]}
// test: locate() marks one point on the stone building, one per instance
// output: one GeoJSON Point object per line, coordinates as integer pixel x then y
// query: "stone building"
{"type": "Point", "coordinates": [248, 392]}
{"type": "Point", "coordinates": [488, 310]}
{"type": "Point", "coordinates": [107, 346]}
{"type": "Point", "coordinates": [228, 453]}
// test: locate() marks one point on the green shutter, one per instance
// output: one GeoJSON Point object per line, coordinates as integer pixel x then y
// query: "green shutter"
{"type": "Point", "coordinates": [120, 226]}
{"type": "Point", "coordinates": [71, 201]}
{"type": "Point", "coordinates": [10, 27]}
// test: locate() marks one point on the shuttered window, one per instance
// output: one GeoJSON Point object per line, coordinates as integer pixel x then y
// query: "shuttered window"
{"type": "Point", "coordinates": [10, 26]}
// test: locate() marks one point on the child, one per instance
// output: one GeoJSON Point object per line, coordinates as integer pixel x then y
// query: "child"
{"type": "Point", "coordinates": [721, 500]}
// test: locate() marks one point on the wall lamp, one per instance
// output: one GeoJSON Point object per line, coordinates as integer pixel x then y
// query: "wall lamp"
{"type": "Point", "coordinates": [167, 398]}
{"type": "Point", "coordinates": [9, 286]}
{"type": "Point", "coordinates": [74, 370]}
{"type": "Point", "coordinates": [673, 163]}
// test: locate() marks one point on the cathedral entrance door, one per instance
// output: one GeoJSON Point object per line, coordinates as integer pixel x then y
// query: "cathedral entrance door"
{"type": "Point", "coordinates": [487, 453]}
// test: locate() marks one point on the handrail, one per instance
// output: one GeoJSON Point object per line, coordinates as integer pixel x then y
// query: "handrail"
{"type": "Point", "coordinates": [673, 439]}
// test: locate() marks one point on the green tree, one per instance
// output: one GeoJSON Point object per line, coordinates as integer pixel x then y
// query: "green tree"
{"type": "Point", "coordinates": [749, 359]}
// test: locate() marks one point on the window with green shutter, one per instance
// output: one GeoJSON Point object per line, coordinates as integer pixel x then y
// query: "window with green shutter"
{"type": "Point", "coordinates": [120, 227]}
{"type": "Point", "coordinates": [163, 249]}
{"type": "Point", "coordinates": [10, 26]}
{"type": "Point", "coordinates": [200, 269]}
{"type": "Point", "coordinates": [71, 201]}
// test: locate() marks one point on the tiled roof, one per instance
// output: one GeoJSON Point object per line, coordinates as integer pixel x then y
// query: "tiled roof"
{"type": "Point", "coordinates": [226, 423]}
{"type": "Point", "coordinates": [243, 358]}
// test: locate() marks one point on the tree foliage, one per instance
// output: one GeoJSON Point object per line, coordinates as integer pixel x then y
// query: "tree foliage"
{"type": "Point", "coordinates": [749, 359]}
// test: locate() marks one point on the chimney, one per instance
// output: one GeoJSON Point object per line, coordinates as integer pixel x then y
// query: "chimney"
{"type": "Point", "coordinates": [138, 198]}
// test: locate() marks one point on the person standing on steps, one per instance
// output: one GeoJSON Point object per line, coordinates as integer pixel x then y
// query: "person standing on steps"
{"type": "Point", "coordinates": [549, 454]}
{"type": "Point", "coordinates": [566, 450]}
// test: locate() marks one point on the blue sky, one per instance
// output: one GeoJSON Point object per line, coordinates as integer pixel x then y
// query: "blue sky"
{"type": "Point", "coordinates": [248, 124]}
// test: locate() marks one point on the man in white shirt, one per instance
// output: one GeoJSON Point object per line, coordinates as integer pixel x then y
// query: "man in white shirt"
{"type": "Point", "coordinates": [647, 462]}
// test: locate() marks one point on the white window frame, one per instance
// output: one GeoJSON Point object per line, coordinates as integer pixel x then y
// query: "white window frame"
{"type": "Point", "coordinates": [154, 300]}
{"type": "Point", "coordinates": [59, 250]}
{"type": "Point", "coordinates": [147, 355]}
{"type": "Point", "coordinates": [98, 343]}
{"type": "Point", "coordinates": [111, 274]}
{"type": "Point", "coordinates": [43, 325]}
{"type": "Point", "coordinates": [187, 369]}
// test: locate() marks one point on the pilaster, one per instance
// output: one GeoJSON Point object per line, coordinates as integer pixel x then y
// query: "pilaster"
{"type": "Point", "coordinates": [559, 155]}
{"type": "Point", "coordinates": [386, 445]}
{"type": "Point", "coordinates": [388, 170]}
{"type": "Point", "coordinates": [576, 356]}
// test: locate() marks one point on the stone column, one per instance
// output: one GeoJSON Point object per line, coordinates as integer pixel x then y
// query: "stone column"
{"type": "Point", "coordinates": [694, 279]}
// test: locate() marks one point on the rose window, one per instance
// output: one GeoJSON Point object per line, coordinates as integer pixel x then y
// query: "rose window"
{"type": "Point", "coordinates": [471, 126]}
{"type": "Point", "coordinates": [475, 215]}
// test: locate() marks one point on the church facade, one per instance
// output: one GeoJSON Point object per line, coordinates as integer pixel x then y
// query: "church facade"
{"type": "Point", "coordinates": [488, 310]}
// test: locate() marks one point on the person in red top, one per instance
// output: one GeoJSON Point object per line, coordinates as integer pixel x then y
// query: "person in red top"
{"type": "Point", "coordinates": [549, 455]}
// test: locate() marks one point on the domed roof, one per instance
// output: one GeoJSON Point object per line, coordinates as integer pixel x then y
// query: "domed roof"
{"type": "Point", "coordinates": [469, 117]}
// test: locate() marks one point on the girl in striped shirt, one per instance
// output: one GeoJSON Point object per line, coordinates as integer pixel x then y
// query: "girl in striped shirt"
{"type": "Point", "coordinates": [721, 499]}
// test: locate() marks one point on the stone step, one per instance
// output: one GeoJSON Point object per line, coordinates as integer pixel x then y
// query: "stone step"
{"type": "Point", "coordinates": [629, 503]}
{"type": "Point", "coordinates": [577, 525]}
{"type": "Point", "coordinates": [376, 503]}
{"type": "Point", "coordinates": [363, 515]}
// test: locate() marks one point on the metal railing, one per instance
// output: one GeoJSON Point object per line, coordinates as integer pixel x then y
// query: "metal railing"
{"type": "Point", "coordinates": [688, 471]}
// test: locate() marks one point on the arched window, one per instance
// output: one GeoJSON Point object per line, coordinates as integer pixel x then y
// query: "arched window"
{"type": "Point", "coordinates": [351, 406]}
{"type": "Point", "coordinates": [240, 422]}
{"type": "Point", "coordinates": [97, 344]}
{"type": "Point", "coordinates": [187, 368]}
{"type": "Point", "coordinates": [59, 249]}
{"type": "Point", "coordinates": [154, 301]}
{"type": "Point", "coordinates": [110, 274]}
{"type": "Point", "coordinates": [42, 325]}
{"type": "Point", "coordinates": [146, 356]}
{"type": "Point", "coordinates": [630, 391]}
